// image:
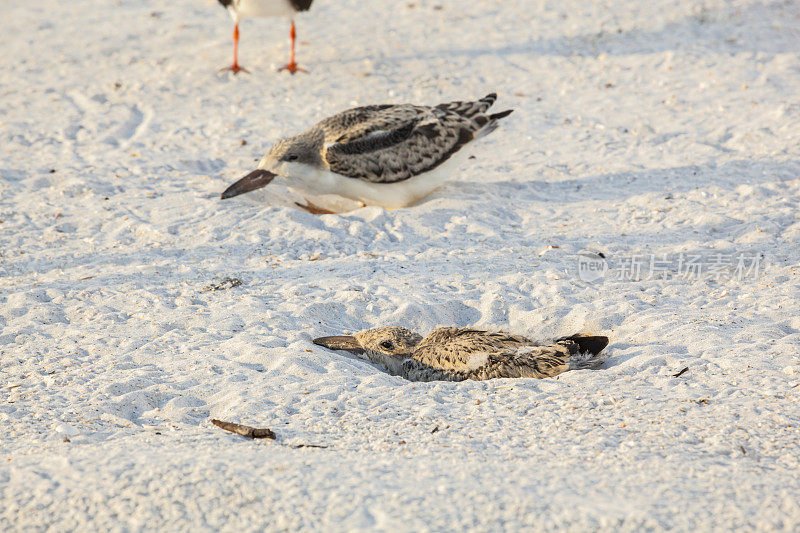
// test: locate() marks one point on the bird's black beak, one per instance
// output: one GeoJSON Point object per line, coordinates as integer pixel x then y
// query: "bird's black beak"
{"type": "Point", "coordinates": [340, 342]}
{"type": "Point", "coordinates": [255, 180]}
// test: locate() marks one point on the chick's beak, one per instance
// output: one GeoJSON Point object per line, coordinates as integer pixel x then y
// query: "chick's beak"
{"type": "Point", "coordinates": [255, 180]}
{"type": "Point", "coordinates": [340, 342]}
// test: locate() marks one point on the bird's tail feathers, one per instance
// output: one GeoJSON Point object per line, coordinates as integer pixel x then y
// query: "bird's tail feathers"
{"type": "Point", "coordinates": [487, 101]}
{"type": "Point", "coordinates": [583, 361]}
{"type": "Point", "coordinates": [501, 114]}
{"type": "Point", "coordinates": [491, 123]}
{"type": "Point", "coordinates": [469, 109]}
{"type": "Point", "coordinates": [585, 350]}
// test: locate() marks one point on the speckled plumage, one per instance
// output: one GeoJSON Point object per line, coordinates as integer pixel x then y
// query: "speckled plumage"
{"type": "Point", "coordinates": [457, 354]}
{"type": "Point", "coordinates": [371, 153]}
{"type": "Point", "coordinates": [391, 143]}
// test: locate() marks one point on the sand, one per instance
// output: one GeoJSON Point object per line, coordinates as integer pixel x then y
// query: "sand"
{"type": "Point", "coordinates": [659, 134]}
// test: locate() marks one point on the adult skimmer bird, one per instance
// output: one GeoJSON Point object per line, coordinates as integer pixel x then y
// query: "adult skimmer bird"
{"type": "Point", "coordinates": [240, 9]}
{"type": "Point", "coordinates": [458, 354]}
{"type": "Point", "coordinates": [387, 155]}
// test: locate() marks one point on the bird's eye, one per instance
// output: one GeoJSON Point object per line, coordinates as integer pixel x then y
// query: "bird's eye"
{"type": "Point", "coordinates": [290, 158]}
{"type": "Point", "coordinates": [387, 345]}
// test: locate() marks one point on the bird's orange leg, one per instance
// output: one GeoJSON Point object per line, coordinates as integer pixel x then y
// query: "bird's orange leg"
{"type": "Point", "coordinates": [235, 68]}
{"type": "Point", "coordinates": [292, 66]}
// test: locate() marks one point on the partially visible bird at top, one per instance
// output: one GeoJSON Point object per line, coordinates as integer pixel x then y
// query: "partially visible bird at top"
{"type": "Point", "coordinates": [390, 155]}
{"type": "Point", "coordinates": [240, 9]}
{"type": "Point", "coordinates": [458, 354]}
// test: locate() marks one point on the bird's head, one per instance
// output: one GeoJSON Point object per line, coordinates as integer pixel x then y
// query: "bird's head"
{"type": "Point", "coordinates": [288, 158]}
{"type": "Point", "coordinates": [389, 346]}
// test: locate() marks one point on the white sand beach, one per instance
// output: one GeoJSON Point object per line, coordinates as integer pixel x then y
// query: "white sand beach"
{"type": "Point", "coordinates": [664, 135]}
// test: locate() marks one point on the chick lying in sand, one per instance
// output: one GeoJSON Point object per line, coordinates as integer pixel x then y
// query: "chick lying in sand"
{"type": "Point", "coordinates": [457, 354]}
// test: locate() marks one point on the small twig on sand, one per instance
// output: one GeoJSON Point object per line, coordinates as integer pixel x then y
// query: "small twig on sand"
{"type": "Point", "coordinates": [308, 446]}
{"type": "Point", "coordinates": [679, 374]}
{"type": "Point", "coordinates": [244, 431]}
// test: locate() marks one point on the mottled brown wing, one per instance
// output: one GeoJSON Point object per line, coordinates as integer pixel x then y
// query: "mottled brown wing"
{"type": "Point", "coordinates": [466, 349]}
{"type": "Point", "coordinates": [471, 335]}
{"type": "Point", "coordinates": [359, 122]}
{"type": "Point", "coordinates": [469, 108]}
{"type": "Point", "coordinates": [354, 124]}
{"type": "Point", "coordinates": [398, 142]}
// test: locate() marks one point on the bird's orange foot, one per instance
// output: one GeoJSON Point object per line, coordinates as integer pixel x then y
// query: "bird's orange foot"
{"type": "Point", "coordinates": [292, 68]}
{"type": "Point", "coordinates": [315, 209]}
{"type": "Point", "coordinates": [236, 69]}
